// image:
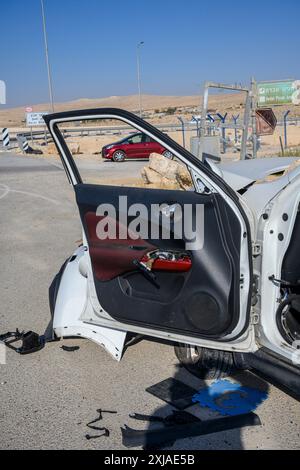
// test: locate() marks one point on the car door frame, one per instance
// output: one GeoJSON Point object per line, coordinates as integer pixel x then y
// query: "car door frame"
{"type": "Point", "coordinates": [151, 149]}
{"type": "Point", "coordinates": [134, 151]}
{"type": "Point", "coordinates": [205, 180]}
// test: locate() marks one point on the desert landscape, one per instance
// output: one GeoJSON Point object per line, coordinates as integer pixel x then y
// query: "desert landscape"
{"type": "Point", "coordinates": [156, 108]}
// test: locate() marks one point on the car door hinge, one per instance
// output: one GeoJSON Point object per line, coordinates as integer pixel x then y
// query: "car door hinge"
{"type": "Point", "coordinates": [254, 317]}
{"type": "Point", "coordinates": [256, 249]}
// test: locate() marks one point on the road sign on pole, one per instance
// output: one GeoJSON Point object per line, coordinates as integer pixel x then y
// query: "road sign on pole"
{"type": "Point", "coordinates": [278, 93]}
{"type": "Point", "coordinates": [35, 119]}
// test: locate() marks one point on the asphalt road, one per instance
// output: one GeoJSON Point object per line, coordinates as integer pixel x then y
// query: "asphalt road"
{"type": "Point", "coordinates": [47, 398]}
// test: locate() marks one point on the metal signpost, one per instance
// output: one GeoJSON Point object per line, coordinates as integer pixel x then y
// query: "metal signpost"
{"type": "Point", "coordinates": [253, 117]}
{"type": "Point", "coordinates": [245, 124]}
{"type": "Point", "coordinates": [183, 130]}
{"type": "Point", "coordinates": [285, 127]}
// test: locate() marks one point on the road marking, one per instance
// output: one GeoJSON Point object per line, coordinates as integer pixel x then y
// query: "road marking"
{"type": "Point", "coordinates": [6, 190]}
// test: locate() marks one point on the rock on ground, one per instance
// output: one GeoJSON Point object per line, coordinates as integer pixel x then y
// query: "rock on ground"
{"type": "Point", "coordinates": [164, 173]}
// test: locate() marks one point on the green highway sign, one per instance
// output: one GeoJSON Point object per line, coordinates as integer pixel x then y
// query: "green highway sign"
{"type": "Point", "coordinates": [278, 93]}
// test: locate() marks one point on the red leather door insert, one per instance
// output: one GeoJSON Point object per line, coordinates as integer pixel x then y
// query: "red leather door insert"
{"type": "Point", "coordinates": [113, 257]}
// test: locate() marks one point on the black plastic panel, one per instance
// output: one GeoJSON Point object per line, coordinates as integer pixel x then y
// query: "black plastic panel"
{"type": "Point", "coordinates": [203, 302]}
{"type": "Point", "coordinates": [291, 262]}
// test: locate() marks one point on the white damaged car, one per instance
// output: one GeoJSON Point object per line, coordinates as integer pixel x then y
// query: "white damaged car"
{"type": "Point", "coordinates": [231, 301]}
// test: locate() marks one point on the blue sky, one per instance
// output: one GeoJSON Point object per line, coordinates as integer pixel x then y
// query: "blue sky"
{"type": "Point", "coordinates": [92, 45]}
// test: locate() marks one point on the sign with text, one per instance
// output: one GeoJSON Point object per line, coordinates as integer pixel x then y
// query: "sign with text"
{"type": "Point", "coordinates": [278, 93]}
{"type": "Point", "coordinates": [35, 119]}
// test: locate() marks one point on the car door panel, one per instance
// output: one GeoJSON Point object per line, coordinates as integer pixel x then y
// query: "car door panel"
{"type": "Point", "coordinates": [148, 149]}
{"type": "Point", "coordinates": [135, 147]}
{"type": "Point", "coordinates": [212, 298]}
{"type": "Point", "coordinates": [153, 147]}
{"type": "Point", "coordinates": [138, 151]}
{"type": "Point", "coordinates": [202, 301]}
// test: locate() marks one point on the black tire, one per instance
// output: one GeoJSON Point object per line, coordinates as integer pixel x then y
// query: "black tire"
{"type": "Point", "coordinates": [168, 154]}
{"type": "Point", "coordinates": [119, 156]}
{"type": "Point", "coordinates": [206, 363]}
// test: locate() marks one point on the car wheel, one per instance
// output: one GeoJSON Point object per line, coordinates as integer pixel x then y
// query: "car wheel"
{"type": "Point", "coordinates": [168, 154]}
{"type": "Point", "coordinates": [205, 363]}
{"type": "Point", "coordinates": [119, 156]}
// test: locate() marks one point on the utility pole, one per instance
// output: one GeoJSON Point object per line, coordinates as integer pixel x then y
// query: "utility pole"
{"type": "Point", "coordinates": [140, 44]}
{"type": "Point", "coordinates": [47, 57]}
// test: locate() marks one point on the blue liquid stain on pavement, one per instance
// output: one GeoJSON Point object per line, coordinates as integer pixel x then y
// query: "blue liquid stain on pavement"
{"type": "Point", "coordinates": [230, 398]}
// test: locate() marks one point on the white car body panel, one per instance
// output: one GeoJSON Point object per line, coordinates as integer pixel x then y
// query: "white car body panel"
{"type": "Point", "coordinates": [239, 174]}
{"type": "Point", "coordinates": [71, 303]}
{"type": "Point", "coordinates": [287, 202]}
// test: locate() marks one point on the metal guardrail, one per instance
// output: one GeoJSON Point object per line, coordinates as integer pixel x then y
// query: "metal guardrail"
{"type": "Point", "coordinates": [86, 131]}
{"type": "Point", "coordinates": [115, 130]}
{"type": "Point", "coordinates": [97, 131]}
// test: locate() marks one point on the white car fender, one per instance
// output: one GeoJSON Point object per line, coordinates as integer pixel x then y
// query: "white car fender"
{"type": "Point", "coordinates": [73, 300]}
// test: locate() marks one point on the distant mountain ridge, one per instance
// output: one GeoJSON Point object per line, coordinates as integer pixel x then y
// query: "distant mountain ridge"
{"type": "Point", "coordinates": [222, 102]}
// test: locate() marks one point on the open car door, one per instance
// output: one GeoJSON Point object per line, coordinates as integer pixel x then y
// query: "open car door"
{"type": "Point", "coordinates": [193, 290]}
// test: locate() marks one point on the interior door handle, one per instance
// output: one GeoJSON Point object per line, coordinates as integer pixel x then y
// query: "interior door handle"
{"type": "Point", "coordinates": [138, 247]}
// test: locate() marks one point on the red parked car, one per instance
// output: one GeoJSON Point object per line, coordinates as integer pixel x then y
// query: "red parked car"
{"type": "Point", "coordinates": [137, 145]}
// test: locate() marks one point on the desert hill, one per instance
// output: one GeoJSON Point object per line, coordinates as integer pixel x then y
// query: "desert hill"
{"type": "Point", "coordinates": [152, 104]}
